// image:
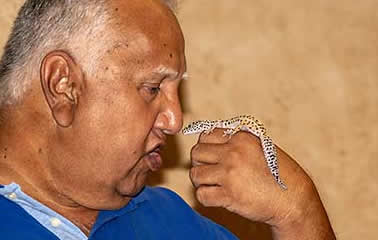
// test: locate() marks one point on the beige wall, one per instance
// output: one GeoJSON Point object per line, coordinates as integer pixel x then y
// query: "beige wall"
{"type": "Point", "coordinates": [309, 70]}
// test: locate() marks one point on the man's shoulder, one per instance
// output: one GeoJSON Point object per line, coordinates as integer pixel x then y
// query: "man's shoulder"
{"type": "Point", "coordinates": [161, 194]}
{"type": "Point", "coordinates": [166, 206]}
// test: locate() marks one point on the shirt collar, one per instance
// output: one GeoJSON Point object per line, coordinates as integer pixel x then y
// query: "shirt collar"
{"type": "Point", "coordinates": [104, 215]}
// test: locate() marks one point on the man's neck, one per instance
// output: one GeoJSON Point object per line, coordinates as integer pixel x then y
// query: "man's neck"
{"type": "Point", "coordinates": [24, 162]}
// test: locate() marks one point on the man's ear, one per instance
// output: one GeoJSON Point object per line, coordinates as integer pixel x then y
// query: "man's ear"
{"type": "Point", "coordinates": [62, 82]}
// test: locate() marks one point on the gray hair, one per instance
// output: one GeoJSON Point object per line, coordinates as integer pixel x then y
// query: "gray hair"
{"type": "Point", "coordinates": [45, 25]}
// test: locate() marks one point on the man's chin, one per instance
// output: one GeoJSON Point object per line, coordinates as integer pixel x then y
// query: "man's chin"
{"type": "Point", "coordinates": [105, 202]}
{"type": "Point", "coordinates": [118, 199]}
{"type": "Point", "coordinates": [115, 205]}
{"type": "Point", "coordinates": [126, 190]}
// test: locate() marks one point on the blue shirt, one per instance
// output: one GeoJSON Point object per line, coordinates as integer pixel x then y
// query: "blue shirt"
{"type": "Point", "coordinates": [48, 218]}
{"type": "Point", "coordinates": [156, 213]}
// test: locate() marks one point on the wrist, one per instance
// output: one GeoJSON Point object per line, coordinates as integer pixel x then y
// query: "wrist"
{"type": "Point", "coordinates": [307, 220]}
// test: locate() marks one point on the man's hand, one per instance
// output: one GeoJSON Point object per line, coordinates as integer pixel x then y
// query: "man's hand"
{"type": "Point", "coordinates": [232, 173]}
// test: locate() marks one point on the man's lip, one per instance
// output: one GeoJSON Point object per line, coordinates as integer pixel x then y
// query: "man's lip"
{"type": "Point", "coordinates": [154, 160]}
{"type": "Point", "coordinates": [157, 148]}
{"type": "Point", "coordinates": [153, 157]}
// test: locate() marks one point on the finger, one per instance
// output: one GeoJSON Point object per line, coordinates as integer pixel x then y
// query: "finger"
{"type": "Point", "coordinates": [212, 196]}
{"type": "Point", "coordinates": [206, 153]}
{"type": "Point", "coordinates": [216, 136]}
{"type": "Point", "coordinates": [207, 175]}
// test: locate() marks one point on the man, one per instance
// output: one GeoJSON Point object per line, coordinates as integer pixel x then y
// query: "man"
{"type": "Point", "coordinates": [89, 92]}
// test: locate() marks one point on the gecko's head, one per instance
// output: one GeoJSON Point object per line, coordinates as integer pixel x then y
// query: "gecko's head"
{"type": "Point", "coordinates": [197, 127]}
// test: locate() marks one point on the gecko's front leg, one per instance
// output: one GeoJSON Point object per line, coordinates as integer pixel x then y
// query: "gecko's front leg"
{"type": "Point", "coordinates": [212, 125]}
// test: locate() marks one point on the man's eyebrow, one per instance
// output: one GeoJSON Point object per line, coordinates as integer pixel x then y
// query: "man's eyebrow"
{"type": "Point", "coordinates": [163, 70]}
{"type": "Point", "coordinates": [185, 76]}
{"type": "Point", "coordinates": [169, 72]}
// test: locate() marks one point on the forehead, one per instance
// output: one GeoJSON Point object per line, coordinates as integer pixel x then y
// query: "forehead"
{"type": "Point", "coordinates": [147, 33]}
{"type": "Point", "coordinates": [149, 23]}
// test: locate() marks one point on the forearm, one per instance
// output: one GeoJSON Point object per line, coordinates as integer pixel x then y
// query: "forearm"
{"type": "Point", "coordinates": [307, 222]}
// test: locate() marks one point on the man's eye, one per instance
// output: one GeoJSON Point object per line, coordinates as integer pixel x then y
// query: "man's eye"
{"type": "Point", "coordinates": [153, 90]}
{"type": "Point", "coordinates": [150, 91]}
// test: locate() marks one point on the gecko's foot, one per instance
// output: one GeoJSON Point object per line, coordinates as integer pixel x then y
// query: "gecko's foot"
{"type": "Point", "coordinates": [282, 185]}
{"type": "Point", "coordinates": [227, 136]}
{"type": "Point", "coordinates": [209, 130]}
{"type": "Point", "coordinates": [228, 132]}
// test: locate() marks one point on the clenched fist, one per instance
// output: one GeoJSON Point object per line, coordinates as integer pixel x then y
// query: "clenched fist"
{"type": "Point", "coordinates": [232, 173]}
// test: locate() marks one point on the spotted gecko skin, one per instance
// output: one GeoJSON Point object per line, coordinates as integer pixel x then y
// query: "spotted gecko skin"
{"type": "Point", "coordinates": [246, 123]}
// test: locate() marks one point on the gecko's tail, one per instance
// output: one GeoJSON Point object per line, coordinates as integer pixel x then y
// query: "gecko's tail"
{"type": "Point", "coordinates": [270, 153]}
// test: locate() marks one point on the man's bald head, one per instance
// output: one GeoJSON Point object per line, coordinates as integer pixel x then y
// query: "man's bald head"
{"type": "Point", "coordinates": [46, 25]}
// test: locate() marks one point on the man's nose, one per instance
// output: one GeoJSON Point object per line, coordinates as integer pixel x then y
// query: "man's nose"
{"type": "Point", "coordinates": [169, 119]}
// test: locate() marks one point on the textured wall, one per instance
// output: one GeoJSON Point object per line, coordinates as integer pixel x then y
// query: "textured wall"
{"type": "Point", "coordinates": [309, 70]}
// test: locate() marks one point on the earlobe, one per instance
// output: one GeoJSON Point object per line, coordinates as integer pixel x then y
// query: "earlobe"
{"type": "Point", "coordinates": [63, 114]}
{"type": "Point", "coordinates": [61, 83]}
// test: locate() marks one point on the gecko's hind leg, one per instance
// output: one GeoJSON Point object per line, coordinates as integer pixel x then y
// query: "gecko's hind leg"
{"type": "Point", "coordinates": [229, 132]}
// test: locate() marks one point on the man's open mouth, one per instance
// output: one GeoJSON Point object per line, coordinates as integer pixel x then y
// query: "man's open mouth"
{"type": "Point", "coordinates": [154, 159]}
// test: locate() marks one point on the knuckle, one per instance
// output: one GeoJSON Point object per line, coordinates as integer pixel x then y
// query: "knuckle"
{"type": "Point", "coordinates": [244, 136]}
{"type": "Point", "coordinates": [193, 178]}
{"type": "Point", "coordinates": [218, 132]}
{"type": "Point", "coordinates": [202, 196]}
{"type": "Point", "coordinates": [231, 173]}
{"type": "Point", "coordinates": [194, 150]}
{"type": "Point", "coordinates": [244, 143]}
{"type": "Point", "coordinates": [193, 173]}
{"type": "Point", "coordinates": [233, 153]}
{"type": "Point", "coordinates": [226, 198]}
{"type": "Point", "coordinates": [202, 137]}
{"type": "Point", "coordinates": [211, 137]}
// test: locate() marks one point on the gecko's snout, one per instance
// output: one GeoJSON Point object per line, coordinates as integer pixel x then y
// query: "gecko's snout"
{"type": "Point", "coordinates": [192, 128]}
{"type": "Point", "coordinates": [186, 130]}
